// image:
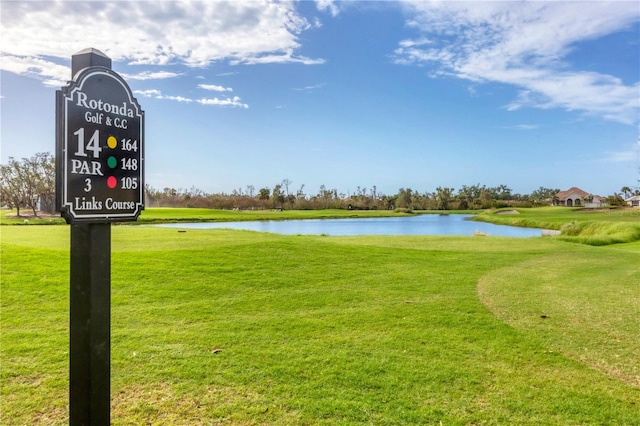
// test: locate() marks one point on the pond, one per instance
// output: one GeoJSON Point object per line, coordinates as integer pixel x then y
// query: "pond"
{"type": "Point", "coordinates": [429, 224]}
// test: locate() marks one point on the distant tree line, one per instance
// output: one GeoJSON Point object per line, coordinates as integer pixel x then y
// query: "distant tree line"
{"type": "Point", "coordinates": [281, 196]}
{"type": "Point", "coordinates": [29, 183]}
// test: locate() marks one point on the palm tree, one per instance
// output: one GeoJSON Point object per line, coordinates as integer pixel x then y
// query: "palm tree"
{"type": "Point", "coordinates": [626, 191]}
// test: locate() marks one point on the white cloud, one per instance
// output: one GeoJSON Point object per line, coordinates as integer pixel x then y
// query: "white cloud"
{"type": "Point", "coordinates": [310, 88]}
{"type": "Point", "coordinates": [523, 127]}
{"type": "Point", "coordinates": [148, 75]}
{"type": "Point", "coordinates": [525, 44]}
{"type": "Point", "coordinates": [406, 44]}
{"type": "Point", "coordinates": [630, 155]}
{"type": "Point", "coordinates": [193, 33]}
{"type": "Point", "coordinates": [284, 57]}
{"type": "Point", "coordinates": [620, 157]}
{"type": "Point", "coordinates": [215, 88]}
{"type": "Point", "coordinates": [51, 73]}
{"type": "Point", "coordinates": [175, 98]}
{"type": "Point", "coordinates": [226, 102]}
{"type": "Point", "coordinates": [328, 6]}
{"type": "Point", "coordinates": [234, 102]}
{"type": "Point", "coordinates": [148, 93]}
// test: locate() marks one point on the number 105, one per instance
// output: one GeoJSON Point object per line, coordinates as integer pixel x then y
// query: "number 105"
{"type": "Point", "coordinates": [129, 183]}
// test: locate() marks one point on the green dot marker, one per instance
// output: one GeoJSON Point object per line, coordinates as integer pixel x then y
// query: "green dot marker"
{"type": "Point", "coordinates": [112, 162]}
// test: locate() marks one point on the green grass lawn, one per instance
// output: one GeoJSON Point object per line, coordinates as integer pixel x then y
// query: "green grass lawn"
{"type": "Point", "coordinates": [244, 328]}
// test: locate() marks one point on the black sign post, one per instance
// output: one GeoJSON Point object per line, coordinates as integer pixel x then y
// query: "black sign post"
{"type": "Point", "coordinates": [99, 180]}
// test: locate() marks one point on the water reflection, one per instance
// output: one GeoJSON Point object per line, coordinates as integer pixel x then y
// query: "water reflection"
{"type": "Point", "coordinates": [430, 224]}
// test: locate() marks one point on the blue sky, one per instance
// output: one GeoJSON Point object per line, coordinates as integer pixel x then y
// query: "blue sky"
{"type": "Point", "coordinates": [394, 95]}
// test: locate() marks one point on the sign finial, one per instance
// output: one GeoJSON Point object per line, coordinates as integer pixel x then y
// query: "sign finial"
{"type": "Point", "coordinates": [89, 57]}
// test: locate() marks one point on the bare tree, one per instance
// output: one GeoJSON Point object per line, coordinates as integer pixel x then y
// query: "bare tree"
{"type": "Point", "coordinates": [29, 182]}
{"type": "Point", "coordinates": [12, 191]}
{"type": "Point", "coordinates": [286, 183]}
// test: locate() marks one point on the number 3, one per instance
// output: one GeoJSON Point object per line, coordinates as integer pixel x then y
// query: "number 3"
{"type": "Point", "coordinates": [87, 185]}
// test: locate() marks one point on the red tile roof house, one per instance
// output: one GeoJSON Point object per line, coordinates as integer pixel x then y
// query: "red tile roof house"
{"type": "Point", "coordinates": [576, 197]}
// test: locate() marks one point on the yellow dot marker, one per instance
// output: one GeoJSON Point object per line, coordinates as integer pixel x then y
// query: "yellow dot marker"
{"type": "Point", "coordinates": [112, 142]}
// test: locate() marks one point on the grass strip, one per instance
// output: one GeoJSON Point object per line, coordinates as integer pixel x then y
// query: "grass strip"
{"type": "Point", "coordinates": [596, 227]}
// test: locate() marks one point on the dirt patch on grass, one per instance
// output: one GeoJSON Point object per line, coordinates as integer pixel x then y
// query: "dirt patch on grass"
{"type": "Point", "coordinates": [508, 212]}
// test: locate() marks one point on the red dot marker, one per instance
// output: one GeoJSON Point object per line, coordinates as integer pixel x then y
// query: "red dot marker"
{"type": "Point", "coordinates": [111, 182]}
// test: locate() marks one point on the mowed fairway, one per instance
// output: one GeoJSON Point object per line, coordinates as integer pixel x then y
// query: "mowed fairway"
{"type": "Point", "coordinates": [243, 328]}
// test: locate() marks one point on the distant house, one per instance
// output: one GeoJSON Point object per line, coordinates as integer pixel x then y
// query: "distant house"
{"type": "Point", "coordinates": [576, 197]}
{"type": "Point", "coordinates": [46, 202]}
{"type": "Point", "coordinates": [596, 201]}
{"type": "Point", "coordinates": [633, 201]}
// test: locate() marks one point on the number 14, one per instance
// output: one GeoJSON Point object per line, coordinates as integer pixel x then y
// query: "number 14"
{"type": "Point", "coordinates": [93, 145]}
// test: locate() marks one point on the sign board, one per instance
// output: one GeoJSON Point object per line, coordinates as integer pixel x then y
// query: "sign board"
{"type": "Point", "coordinates": [99, 149]}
